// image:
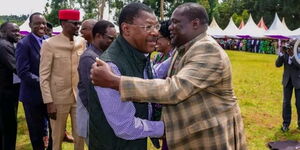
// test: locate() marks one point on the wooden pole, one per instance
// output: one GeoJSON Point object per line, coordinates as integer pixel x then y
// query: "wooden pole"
{"type": "Point", "coordinates": [161, 9]}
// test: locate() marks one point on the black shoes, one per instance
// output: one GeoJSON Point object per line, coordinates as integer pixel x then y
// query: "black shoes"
{"type": "Point", "coordinates": [285, 128]}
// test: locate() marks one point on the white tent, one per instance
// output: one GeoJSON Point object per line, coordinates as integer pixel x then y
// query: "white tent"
{"type": "Point", "coordinates": [284, 24]}
{"type": "Point", "coordinates": [295, 34]}
{"type": "Point", "coordinates": [278, 30]}
{"type": "Point", "coordinates": [251, 30]}
{"type": "Point", "coordinates": [231, 30]}
{"type": "Point", "coordinates": [57, 30]}
{"type": "Point", "coordinates": [214, 29]}
{"type": "Point", "coordinates": [24, 28]}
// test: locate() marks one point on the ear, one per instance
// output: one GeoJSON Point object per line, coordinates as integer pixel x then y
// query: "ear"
{"type": "Point", "coordinates": [125, 29]}
{"type": "Point", "coordinates": [30, 25]}
{"type": "Point", "coordinates": [196, 23]}
{"type": "Point", "coordinates": [98, 36]}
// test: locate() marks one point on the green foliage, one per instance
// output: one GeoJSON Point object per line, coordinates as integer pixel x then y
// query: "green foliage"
{"type": "Point", "coordinates": [237, 19]}
{"type": "Point", "coordinates": [55, 6]}
{"type": "Point", "coordinates": [13, 18]}
{"type": "Point", "coordinates": [89, 8]}
{"type": "Point", "coordinates": [239, 9]}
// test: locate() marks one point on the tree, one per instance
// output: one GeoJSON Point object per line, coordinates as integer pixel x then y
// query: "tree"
{"type": "Point", "coordinates": [55, 6]}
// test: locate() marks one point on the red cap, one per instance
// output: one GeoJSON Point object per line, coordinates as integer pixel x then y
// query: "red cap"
{"type": "Point", "coordinates": [68, 14]}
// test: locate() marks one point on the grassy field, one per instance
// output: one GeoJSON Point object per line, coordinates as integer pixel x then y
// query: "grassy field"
{"type": "Point", "coordinates": [257, 83]}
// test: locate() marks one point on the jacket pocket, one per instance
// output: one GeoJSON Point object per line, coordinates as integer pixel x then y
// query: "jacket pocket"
{"type": "Point", "coordinates": [202, 125]}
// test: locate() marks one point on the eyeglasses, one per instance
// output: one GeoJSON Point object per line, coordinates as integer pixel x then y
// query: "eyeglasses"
{"type": "Point", "coordinates": [148, 28]}
{"type": "Point", "coordinates": [75, 23]}
{"type": "Point", "coordinates": [110, 37]}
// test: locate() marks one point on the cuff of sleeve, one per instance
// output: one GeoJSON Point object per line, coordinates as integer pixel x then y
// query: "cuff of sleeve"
{"type": "Point", "coordinates": [161, 129]}
{"type": "Point", "coordinates": [122, 87]}
{"type": "Point", "coordinates": [47, 101]}
{"type": "Point", "coordinates": [280, 54]}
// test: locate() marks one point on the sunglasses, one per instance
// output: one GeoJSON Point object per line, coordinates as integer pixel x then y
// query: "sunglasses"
{"type": "Point", "coordinates": [75, 23]}
{"type": "Point", "coordinates": [110, 37]}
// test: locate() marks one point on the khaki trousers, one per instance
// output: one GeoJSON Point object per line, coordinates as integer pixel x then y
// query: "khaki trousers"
{"type": "Point", "coordinates": [58, 126]}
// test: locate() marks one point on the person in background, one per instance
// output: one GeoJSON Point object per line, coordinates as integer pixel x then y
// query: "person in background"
{"type": "Point", "coordinates": [126, 125]}
{"type": "Point", "coordinates": [103, 34]}
{"type": "Point", "coordinates": [165, 49]}
{"type": "Point", "coordinates": [200, 109]}
{"type": "Point", "coordinates": [28, 61]}
{"type": "Point", "coordinates": [290, 82]}
{"type": "Point", "coordinates": [59, 77]}
{"type": "Point", "coordinates": [49, 29]}
{"type": "Point", "coordinates": [86, 30]}
{"type": "Point", "coordinates": [9, 86]}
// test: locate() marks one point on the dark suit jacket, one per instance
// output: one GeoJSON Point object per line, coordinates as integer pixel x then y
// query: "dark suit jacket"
{"type": "Point", "coordinates": [291, 71]}
{"type": "Point", "coordinates": [7, 67]}
{"type": "Point", "coordinates": [28, 61]}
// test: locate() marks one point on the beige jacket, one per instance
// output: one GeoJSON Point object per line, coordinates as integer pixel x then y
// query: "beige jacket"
{"type": "Point", "coordinates": [201, 110]}
{"type": "Point", "coordinates": [58, 68]}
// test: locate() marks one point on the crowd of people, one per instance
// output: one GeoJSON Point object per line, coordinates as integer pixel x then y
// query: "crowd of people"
{"type": "Point", "coordinates": [264, 46]}
{"type": "Point", "coordinates": [114, 93]}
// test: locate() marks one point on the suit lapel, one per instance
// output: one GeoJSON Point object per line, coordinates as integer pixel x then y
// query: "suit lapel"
{"type": "Point", "coordinates": [35, 44]}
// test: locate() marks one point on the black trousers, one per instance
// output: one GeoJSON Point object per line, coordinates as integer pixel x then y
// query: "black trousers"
{"type": "Point", "coordinates": [8, 118]}
{"type": "Point", "coordinates": [38, 125]}
{"type": "Point", "coordinates": [286, 106]}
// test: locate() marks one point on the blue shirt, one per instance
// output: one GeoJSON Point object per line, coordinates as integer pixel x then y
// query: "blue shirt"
{"type": "Point", "coordinates": [38, 39]}
{"type": "Point", "coordinates": [120, 115]}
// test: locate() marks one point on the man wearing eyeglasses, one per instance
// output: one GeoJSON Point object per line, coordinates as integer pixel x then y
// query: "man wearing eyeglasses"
{"type": "Point", "coordinates": [200, 110]}
{"type": "Point", "coordinates": [125, 125]}
{"type": "Point", "coordinates": [59, 77]}
{"type": "Point", "coordinates": [99, 43]}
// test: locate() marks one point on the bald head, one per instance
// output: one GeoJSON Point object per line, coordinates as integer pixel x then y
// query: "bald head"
{"type": "Point", "coordinates": [86, 29]}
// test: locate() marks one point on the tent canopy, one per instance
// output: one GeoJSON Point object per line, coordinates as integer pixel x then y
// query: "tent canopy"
{"type": "Point", "coordinates": [231, 30]}
{"type": "Point", "coordinates": [251, 30]}
{"type": "Point", "coordinates": [278, 30]}
{"type": "Point", "coordinates": [24, 28]}
{"type": "Point", "coordinates": [214, 29]}
{"type": "Point", "coordinates": [242, 24]}
{"type": "Point", "coordinates": [261, 24]}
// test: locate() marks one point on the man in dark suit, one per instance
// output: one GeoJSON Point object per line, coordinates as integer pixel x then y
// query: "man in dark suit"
{"type": "Point", "coordinates": [28, 60]}
{"type": "Point", "coordinates": [8, 90]}
{"type": "Point", "coordinates": [290, 81]}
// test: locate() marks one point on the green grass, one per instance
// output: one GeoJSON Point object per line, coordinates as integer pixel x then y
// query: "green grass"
{"type": "Point", "coordinates": [257, 84]}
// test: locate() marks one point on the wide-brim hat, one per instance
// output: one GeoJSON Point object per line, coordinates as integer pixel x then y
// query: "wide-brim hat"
{"type": "Point", "coordinates": [68, 14]}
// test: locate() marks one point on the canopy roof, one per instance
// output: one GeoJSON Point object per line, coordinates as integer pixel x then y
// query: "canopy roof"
{"type": "Point", "coordinates": [278, 30]}
{"type": "Point", "coordinates": [251, 30]}
{"type": "Point", "coordinates": [231, 30]}
{"type": "Point", "coordinates": [242, 24]}
{"type": "Point", "coordinates": [214, 29]}
{"type": "Point", "coordinates": [261, 24]}
{"type": "Point", "coordinates": [24, 28]}
{"type": "Point", "coordinates": [57, 30]}
{"type": "Point", "coordinates": [295, 34]}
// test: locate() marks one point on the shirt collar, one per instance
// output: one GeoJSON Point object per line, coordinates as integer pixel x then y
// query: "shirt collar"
{"type": "Point", "coordinates": [96, 50]}
{"type": "Point", "coordinates": [183, 48]}
{"type": "Point", "coordinates": [37, 37]}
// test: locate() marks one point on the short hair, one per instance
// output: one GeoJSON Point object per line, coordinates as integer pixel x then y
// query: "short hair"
{"type": "Point", "coordinates": [131, 11]}
{"type": "Point", "coordinates": [31, 16]}
{"type": "Point", "coordinates": [101, 26]}
{"type": "Point", "coordinates": [164, 29]}
{"type": "Point", "coordinates": [49, 25]}
{"type": "Point", "coordinates": [193, 11]}
{"type": "Point", "coordinates": [3, 27]}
